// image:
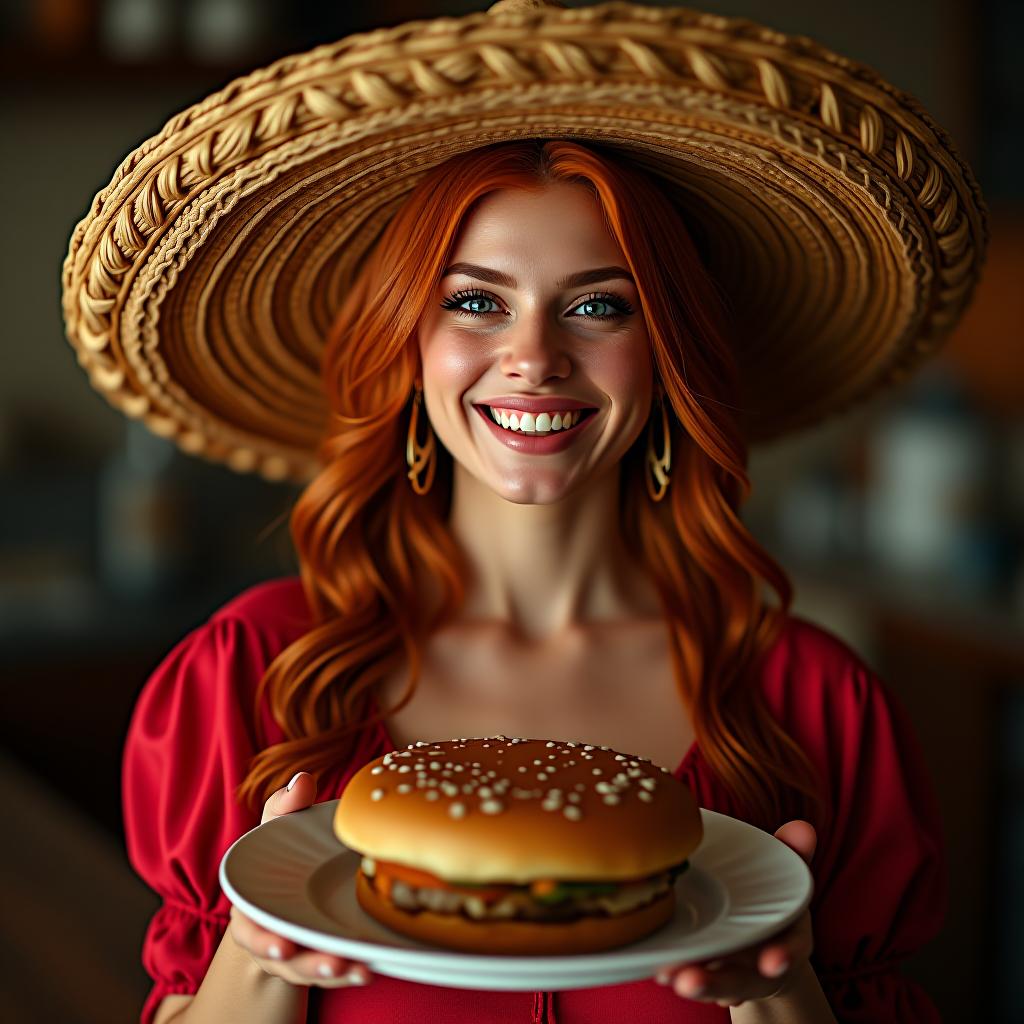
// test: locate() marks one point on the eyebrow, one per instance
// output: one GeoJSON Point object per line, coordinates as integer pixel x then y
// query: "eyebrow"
{"type": "Point", "coordinates": [507, 281]}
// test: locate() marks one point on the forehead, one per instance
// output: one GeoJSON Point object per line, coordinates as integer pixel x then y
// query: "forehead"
{"type": "Point", "coordinates": [560, 219]}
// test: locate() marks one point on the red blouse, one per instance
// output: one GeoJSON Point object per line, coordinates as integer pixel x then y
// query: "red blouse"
{"type": "Point", "coordinates": [879, 869]}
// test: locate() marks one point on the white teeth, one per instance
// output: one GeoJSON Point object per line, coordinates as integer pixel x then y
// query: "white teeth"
{"type": "Point", "coordinates": [542, 423]}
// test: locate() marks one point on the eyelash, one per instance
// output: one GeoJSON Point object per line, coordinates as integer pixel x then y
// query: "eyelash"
{"type": "Point", "coordinates": [454, 303]}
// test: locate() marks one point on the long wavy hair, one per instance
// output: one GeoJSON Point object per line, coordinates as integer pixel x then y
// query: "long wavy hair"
{"type": "Point", "coordinates": [365, 541]}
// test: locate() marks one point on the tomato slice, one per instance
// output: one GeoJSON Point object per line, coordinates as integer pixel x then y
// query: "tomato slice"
{"type": "Point", "coordinates": [425, 880]}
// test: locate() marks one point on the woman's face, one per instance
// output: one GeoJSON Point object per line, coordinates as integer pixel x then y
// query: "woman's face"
{"type": "Point", "coordinates": [536, 302]}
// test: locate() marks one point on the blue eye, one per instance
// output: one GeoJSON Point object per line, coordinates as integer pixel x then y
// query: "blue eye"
{"type": "Point", "coordinates": [470, 303]}
{"type": "Point", "coordinates": [598, 308]}
{"type": "Point", "coordinates": [601, 307]}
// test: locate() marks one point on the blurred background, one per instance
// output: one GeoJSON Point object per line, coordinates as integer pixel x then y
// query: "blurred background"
{"type": "Point", "coordinates": [901, 524]}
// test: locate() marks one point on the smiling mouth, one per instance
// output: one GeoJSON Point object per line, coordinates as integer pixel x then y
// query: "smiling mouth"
{"type": "Point", "coordinates": [579, 415]}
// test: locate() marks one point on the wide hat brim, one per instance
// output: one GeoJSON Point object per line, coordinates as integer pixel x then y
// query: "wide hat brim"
{"type": "Point", "coordinates": [842, 226]}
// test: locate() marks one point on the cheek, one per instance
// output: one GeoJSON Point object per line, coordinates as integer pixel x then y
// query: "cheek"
{"type": "Point", "coordinates": [630, 375]}
{"type": "Point", "coordinates": [451, 360]}
{"type": "Point", "coordinates": [624, 372]}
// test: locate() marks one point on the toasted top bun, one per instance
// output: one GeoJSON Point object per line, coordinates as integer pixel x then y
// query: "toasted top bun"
{"type": "Point", "coordinates": [502, 809]}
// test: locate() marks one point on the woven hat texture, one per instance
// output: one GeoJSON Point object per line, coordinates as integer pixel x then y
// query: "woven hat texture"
{"type": "Point", "coordinates": [837, 217]}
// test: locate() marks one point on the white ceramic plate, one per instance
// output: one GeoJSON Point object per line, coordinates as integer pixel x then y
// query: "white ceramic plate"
{"type": "Point", "coordinates": [293, 876]}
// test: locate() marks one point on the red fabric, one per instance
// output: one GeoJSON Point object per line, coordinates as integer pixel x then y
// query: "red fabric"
{"type": "Point", "coordinates": [879, 870]}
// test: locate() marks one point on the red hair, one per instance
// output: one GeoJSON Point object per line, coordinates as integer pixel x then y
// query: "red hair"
{"type": "Point", "coordinates": [364, 539]}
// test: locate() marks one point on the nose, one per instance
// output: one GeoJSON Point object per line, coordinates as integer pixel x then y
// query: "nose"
{"type": "Point", "coordinates": [534, 352]}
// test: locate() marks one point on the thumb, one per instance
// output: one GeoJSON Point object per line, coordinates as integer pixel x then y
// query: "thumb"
{"type": "Point", "coordinates": [285, 800]}
{"type": "Point", "coordinates": [799, 835]}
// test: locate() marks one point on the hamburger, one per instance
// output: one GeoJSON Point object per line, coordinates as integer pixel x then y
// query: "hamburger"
{"type": "Point", "coordinates": [518, 846]}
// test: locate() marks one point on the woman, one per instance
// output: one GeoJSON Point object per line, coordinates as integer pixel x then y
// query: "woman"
{"type": "Point", "coordinates": [512, 275]}
{"type": "Point", "coordinates": [507, 588]}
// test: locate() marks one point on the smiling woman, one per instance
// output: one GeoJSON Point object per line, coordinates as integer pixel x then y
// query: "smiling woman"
{"type": "Point", "coordinates": [398, 268]}
{"type": "Point", "coordinates": [528, 577]}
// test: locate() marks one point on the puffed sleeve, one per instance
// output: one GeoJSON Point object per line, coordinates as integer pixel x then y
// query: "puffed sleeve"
{"type": "Point", "coordinates": [880, 868]}
{"type": "Point", "coordinates": [189, 739]}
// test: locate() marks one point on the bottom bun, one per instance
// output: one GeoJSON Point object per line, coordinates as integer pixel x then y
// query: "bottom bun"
{"type": "Point", "coordinates": [526, 938]}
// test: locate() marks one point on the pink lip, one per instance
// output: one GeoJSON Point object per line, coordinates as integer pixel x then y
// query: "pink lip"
{"type": "Point", "coordinates": [530, 445]}
{"type": "Point", "coordinates": [522, 404]}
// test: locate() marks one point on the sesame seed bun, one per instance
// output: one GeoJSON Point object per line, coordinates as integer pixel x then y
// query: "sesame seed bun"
{"type": "Point", "coordinates": [583, 812]}
{"type": "Point", "coordinates": [526, 938]}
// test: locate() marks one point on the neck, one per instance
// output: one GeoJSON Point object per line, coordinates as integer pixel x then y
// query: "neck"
{"type": "Point", "coordinates": [547, 570]}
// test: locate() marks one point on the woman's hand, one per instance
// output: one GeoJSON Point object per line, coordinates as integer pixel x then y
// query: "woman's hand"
{"type": "Point", "coordinates": [760, 972]}
{"type": "Point", "coordinates": [276, 954]}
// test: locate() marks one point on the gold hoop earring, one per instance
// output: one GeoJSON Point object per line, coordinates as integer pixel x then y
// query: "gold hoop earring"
{"type": "Point", "coordinates": [416, 455]}
{"type": "Point", "coordinates": [659, 467]}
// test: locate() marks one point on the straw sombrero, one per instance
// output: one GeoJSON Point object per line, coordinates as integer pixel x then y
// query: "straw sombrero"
{"type": "Point", "coordinates": [838, 218]}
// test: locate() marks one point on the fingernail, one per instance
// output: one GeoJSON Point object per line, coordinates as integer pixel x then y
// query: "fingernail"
{"type": "Point", "coordinates": [326, 970]}
{"type": "Point", "coordinates": [295, 778]}
{"type": "Point", "coordinates": [689, 987]}
{"type": "Point", "coordinates": [274, 952]}
{"type": "Point", "coordinates": [779, 970]}
{"type": "Point", "coordinates": [355, 977]}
